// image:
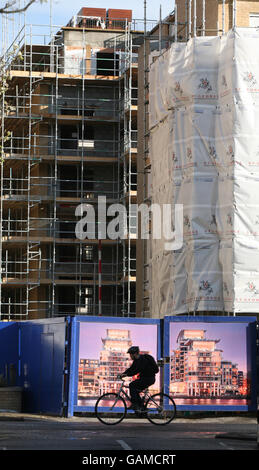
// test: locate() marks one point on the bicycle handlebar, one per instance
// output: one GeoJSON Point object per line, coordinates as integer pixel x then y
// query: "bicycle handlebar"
{"type": "Point", "coordinates": [120, 378]}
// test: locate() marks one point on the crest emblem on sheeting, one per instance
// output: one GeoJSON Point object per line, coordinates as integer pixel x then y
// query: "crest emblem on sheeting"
{"type": "Point", "coordinates": [251, 287]}
{"type": "Point", "coordinates": [224, 81]}
{"type": "Point", "coordinates": [250, 78]}
{"type": "Point", "coordinates": [186, 221]}
{"type": "Point", "coordinates": [212, 151]}
{"type": "Point", "coordinates": [229, 219]}
{"type": "Point", "coordinates": [205, 84]}
{"type": "Point", "coordinates": [206, 286]}
{"type": "Point", "coordinates": [189, 153]}
{"type": "Point", "coordinates": [230, 153]}
{"type": "Point", "coordinates": [177, 88]}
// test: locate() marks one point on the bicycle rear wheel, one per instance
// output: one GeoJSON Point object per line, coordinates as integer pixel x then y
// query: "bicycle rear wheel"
{"type": "Point", "coordinates": [110, 408]}
{"type": "Point", "coordinates": [160, 409]}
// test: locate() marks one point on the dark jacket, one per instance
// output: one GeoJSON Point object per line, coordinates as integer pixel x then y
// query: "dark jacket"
{"type": "Point", "coordinates": [145, 366]}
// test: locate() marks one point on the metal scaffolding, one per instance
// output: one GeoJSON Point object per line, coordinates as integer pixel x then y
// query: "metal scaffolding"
{"type": "Point", "coordinates": [67, 139]}
{"type": "Point", "coordinates": [70, 134]}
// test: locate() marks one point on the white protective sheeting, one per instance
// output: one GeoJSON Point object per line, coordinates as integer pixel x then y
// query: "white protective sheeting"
{"type": "Point", "coordinates": [204, 151]}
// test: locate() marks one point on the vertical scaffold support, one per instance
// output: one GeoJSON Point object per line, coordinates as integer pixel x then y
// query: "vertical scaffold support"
{"type": "Point", "coordinates": [160, 29]}
{"type": "Point", "coordinates": [223, 17]}
{"type": "Point", "coordinates": [234, 20]}
{"type": "Point", "coordinates": [100, 277]}
{"type": "Point", "coordinates": [194, 18]}
{"type": "Point", "coordinates": [203, 17]}
{"type": "Point", "coordinates": [175, 23]}
{"type": "Point", "coordinates": [190, 20]}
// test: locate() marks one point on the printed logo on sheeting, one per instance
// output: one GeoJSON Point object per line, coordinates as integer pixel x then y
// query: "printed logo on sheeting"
{"type": "Point", "coordinates": [206, 286]}
{"type": "Point", "coordinates": [251, 288]}
{"type": "Point", "coordinates": [205, 84]}
{"type": "Point", "coordinates": [250, 79]}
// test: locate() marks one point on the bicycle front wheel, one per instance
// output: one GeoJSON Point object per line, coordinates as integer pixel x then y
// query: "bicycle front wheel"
{"type": "Point", "coordinates": [110, 408]}
{"type": "Point", "coordinates": [160, 409]}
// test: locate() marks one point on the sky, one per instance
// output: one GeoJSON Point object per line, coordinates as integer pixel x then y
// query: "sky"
{"type": "Point", "coordinates": [232, 339]}
{"type": "Point", "coordinates": [63, 10]}
{"type": "Point", "coordinates": [59, 12]}
{"type": "Point", "coordinates": [91, 334]}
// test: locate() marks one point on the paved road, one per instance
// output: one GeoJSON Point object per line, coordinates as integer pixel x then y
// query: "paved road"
{"type": "Point", "coordinates": [39, 433]}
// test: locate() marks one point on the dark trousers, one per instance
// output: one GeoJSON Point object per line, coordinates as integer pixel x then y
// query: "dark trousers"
{"type": "Point", "coordinates": [137, 386]}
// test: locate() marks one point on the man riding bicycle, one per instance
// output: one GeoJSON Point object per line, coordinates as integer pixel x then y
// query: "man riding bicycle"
{"type": "Point", "coordinates": [144, 365]}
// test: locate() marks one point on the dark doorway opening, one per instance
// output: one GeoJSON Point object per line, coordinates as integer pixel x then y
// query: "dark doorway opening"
{"type": "Point", "coordinates": [107, 64]}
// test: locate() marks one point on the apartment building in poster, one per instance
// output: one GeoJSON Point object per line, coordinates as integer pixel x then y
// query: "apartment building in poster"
{"type": "Point", "coordinates": [88, 383]}
{"type": "Point", "coordinates": [113, 358]}
{"type": "Point", "coordinates": [198, 368]}
{"type": "Point", "coordinates": [99, 375]}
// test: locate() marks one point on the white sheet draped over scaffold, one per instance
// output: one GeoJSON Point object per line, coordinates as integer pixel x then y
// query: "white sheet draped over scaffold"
{"type": "Point", "coordinates": [204, 152]}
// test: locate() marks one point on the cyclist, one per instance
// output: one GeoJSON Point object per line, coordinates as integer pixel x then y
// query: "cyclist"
{"type": "Point", "coordinates": [144, 365]}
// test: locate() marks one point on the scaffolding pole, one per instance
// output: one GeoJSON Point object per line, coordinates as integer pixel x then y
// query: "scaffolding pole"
{"type": "Point", "coordinates": [234, 14]}
{"type": "Point", "coordinates": [194, 18]}
{"type": "Point", "coordinates": [160, 29]}
{"type": "Point", "coordinates": [175, 23]}
{"type": "Point", "coordinates": [203, 17]}
{"type": "Point", "coordinates": [190, 19]}
{"type": "Point", "coordinates": [100, 278]}
{"type": "Point", "coordinates": [223, 17]}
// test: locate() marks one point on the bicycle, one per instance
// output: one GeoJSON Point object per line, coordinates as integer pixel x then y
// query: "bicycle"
{"type": "Point", "coordinates": [111, 408]}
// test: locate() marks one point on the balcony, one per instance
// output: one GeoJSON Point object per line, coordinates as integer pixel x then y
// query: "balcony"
{"type": "Point", "coordinates": [46, 106]}
{"type": "Point", "coordinates": [41, 269]}
{"type": "Point", "coordinates": [42, 145]}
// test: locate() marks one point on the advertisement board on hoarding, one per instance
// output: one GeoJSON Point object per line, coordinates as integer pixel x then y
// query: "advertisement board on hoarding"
{"type": "Point", "coordinates": [100, 355]}
{"type": "Point", "coordinates": [211, 362]}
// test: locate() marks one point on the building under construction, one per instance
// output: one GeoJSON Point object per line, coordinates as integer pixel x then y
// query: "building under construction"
{"type": "Point", "coordinates": [69, 136]}
{"type": "Point", "coordinates": [197, 147]}
{"type": "Point", "coordinates": [81, 120]}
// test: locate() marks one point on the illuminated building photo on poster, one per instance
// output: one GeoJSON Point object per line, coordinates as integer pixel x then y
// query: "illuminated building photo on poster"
{"type": "Point", "coordinates": [103, 355]}
{"type": "Point", "coordinates": [208, 364]}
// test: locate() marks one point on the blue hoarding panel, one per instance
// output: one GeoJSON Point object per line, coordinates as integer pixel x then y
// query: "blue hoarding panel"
{"type": "Point", "coordinates": [211, 362]}
{"type": "Point", "coordinates": [9, 353]}
{"type": "Point", "coordinates": [42, 365]}
{"type": "Point", "coordinates": [98, 353]}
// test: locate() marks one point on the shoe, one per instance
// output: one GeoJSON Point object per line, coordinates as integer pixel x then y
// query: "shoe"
{"type": "Point", "coordinates": [135, 408]}
{"type": "Point", "coordinates": [141, 412]}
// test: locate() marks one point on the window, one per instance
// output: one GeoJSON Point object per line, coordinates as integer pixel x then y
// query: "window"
{"type": "Point", "coordinates": [254, 20]}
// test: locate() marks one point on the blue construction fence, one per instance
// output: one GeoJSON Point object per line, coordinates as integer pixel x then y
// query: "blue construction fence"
{"type": "Point", "coordinates": [32, 356]}
{"type": "Point", "coordinates": [63, 364]}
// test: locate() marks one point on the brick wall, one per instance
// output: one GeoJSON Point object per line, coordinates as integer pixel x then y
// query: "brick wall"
{"type": "Point", "coordinates": [245, 7]}
{"type": "Point", "coordinates": [213, 14]}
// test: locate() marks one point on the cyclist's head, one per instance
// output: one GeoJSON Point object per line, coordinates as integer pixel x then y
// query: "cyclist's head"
{"type": "Point", "coordinates": [133, 351]}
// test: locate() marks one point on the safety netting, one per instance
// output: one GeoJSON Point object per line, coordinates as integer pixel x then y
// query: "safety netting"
{"type": "Point", "coordinates": [204, 153]}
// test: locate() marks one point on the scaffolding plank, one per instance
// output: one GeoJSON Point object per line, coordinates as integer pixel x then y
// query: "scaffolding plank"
{"type": "Point", "coordinates": [12, 240]}
{"type": "Point", "coordinates": [72, 118]}
{"type": "Point", "coordinates": [22, 158]}
{"type": "Point", "coordinates": [61, 76]}
{"type": "Point", "coordinates": [24, 282]}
